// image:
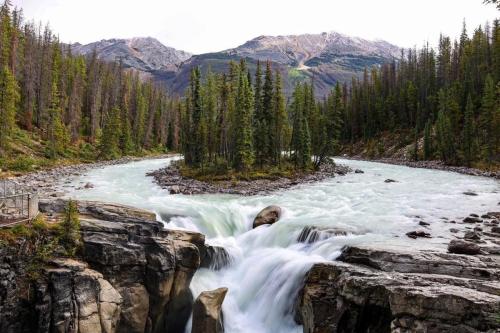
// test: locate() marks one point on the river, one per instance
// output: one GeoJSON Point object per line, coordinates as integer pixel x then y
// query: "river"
{"type": "Point", "coordinates": [268, 264]}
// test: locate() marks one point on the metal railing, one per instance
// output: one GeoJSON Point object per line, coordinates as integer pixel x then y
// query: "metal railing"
{"type": "Point", "coordinates": [16, 204]}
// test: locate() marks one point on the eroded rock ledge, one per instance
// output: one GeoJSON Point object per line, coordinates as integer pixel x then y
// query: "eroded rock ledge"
{"type": "Point", "coordinates": [394, 290]}
{"type": "Point", "coordinates": [132, 276]}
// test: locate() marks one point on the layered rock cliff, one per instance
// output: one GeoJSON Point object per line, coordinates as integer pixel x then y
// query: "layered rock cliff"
{"type": "Point", "coordinates": [132, 276]}
{"type": "Point", "coordinates": [391, 290]}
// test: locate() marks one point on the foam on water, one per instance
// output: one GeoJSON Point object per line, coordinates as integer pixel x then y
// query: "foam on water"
{"type": "Point", "coordinates": [268, 262]}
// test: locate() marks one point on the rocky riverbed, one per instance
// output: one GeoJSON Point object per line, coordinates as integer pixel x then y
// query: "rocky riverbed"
{"type": "Point", "coordinates": [53, 182]}
{"type": "Point", "coordinates": [133, 275]}
{"type": "Point", "coordinates": [434, 165]}
{"type": "Point", "coordinates": [170, 178]}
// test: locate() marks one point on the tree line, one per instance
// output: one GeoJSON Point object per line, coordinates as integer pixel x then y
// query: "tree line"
{"type": "Point", "coordinates": [449, 96]}
{"type": "Point", "coordinates": [73, 101]}
{"type": "Point", "coordinates": [241, 121]}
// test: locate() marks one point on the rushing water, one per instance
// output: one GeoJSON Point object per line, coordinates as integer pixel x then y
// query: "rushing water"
{"type": "Point", "coordinates": [268, 264]}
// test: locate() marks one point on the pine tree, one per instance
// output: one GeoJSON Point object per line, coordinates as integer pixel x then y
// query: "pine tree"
{"type": "Point", "coordinates": [111, 134]}
{"type": "Point", "coordinates": [280, 115]}
{"type": "Point", "coordinates": [269, 122]}
{"type": "Point", "coordinates": [70, 237]}
{"type": "Point", "coordinates": [427, 141]}
{"type": "Point", "coordinates": [259, 121]}
{"type": "Point", "coordinates": [487, 120]}
{"type": "Point", "coordinates": [9, 98]}
{"type": "Point", "coordinates": [244, 154]}
{"type": "Point", "coordinates": [467, 135]}
{"type": "Point", "coordinates": [444, 138]}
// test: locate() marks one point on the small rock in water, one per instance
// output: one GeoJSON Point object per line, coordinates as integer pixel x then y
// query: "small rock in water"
{"type": "Point", "coordinates": [474, 215]}
{"type": "Point", "coordinates": [454, 230]}
{"type": "Point", "coordinates": [470, 193]}
{"type": "Point", "coordinates": [268, 215]}
{"type": "Point", "coordinates": [390, 181]}
{"type": "Point", "coordinates": [175, 189]}
{"type": "Point", "coordinates": [463, 247]}
{"type": "Point", "coordinates": [470, 219]}
{"type": "Point", "coordinates": [472, 235]}
{"type": "Point", "coordinates": [88, 185]}
{"type": "Point", "coordinates": [358, 171]}
{"type": "Point", "coordinates": [418, 233]}
{"type": "Point", "coordinates": [495, 230]}
{"type": "Point", "coordinates": [423, 223]}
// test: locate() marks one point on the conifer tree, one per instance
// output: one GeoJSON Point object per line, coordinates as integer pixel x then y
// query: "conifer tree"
{"type": "Point", "coordinates": [111, 134]}
{"type": "Point", "coordinates": [9, 97]}
{"type": "Point", "coordinates": [268, 123]}
{"type": "Point", "coordinates": [427, 141]}
{"type": "Point", "coordinates": [244, 154]}
{"type": "Point", "coordinates": [467, 135]}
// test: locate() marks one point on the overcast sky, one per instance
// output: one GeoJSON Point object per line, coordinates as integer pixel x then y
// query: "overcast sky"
{"type": "Point", "coordinates": [200, 26]}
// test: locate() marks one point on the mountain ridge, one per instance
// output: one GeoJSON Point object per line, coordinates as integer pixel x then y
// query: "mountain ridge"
{"type": "Point", "coordinates": [329, 57]}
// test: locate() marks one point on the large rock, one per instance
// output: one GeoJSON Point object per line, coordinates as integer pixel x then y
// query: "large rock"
{"type": "Point", "coordinates": [207, 312]}
{"type": "Point", "coordinates": [463, 247]}
{"type": "Point", "coordinates": [389, 290]}
{"type": "Point", "coordinates": [74, 298]}
{"type": "Point", "coordinates": [215, 257]}
{"type": "Point", "coordinates": [151, 267]}
{"type": "Point", "coordinates": [268, 215]}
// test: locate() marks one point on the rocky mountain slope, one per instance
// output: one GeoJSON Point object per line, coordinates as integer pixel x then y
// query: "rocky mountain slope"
{"type": "Point", "coordinates": [144, 54]}
{"type": "Point", "coordinates": [328, 57]}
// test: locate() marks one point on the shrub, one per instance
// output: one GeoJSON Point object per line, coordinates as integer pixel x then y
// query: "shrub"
{"type": "Point", "coordinates": [69, 236]}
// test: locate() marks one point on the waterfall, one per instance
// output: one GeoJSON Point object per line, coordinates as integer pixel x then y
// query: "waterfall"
{"type": "Point", "coordinates": [264, 267]}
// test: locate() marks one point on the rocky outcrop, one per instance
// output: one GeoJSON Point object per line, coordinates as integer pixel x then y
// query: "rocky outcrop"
{"type": "Point", "coordinates": [311, 234]}
{"type": "Point", "coordinates": [73, 297]}
{"type": "Point", "coordinates": [207, 312]}
{"type": "Point", "coordinates": [268, 215]}
{"type": "Point", "coordinates": [132, 275]}
{"type": "Point", "coordinates": [391, 290]}
{"type": "Point", "coordinates": [216, 258]}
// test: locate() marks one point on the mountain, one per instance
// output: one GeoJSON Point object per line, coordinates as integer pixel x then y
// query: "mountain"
{"type": "Point", "coordinates": [328, 57]}
{"type": "Point", "coordinates": [145, 54]}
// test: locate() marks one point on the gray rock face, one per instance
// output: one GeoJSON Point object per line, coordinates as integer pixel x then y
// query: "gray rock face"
{"type": "Point", "coordinates": [133, 276]}
{"type": "Point", "coordinates": [77, 299]}
{"type": "Point", "coordinates": [144, 54]}
{"type": "Point", "coordinates": [388, 290]}
{"type": "Point", "coordinates": [304, 50]}
{"type": "Point", "coordinates": [268, 215]}
{"type": "Point", "coordinates": [207, 312]}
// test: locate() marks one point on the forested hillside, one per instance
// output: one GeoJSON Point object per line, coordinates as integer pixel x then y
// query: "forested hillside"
{"type": "Point", "coordinates": [54, 104]}
{"type": "Point", "coordinates": [449, 96]}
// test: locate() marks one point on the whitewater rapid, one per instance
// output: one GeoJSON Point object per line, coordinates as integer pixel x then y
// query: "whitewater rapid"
{"type": "Point", "coordinates": [268, 264]}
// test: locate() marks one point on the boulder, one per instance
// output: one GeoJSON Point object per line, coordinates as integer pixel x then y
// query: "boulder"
{"type": "Point", "coordinates": [463, 247]}
{"type": "Point", "coordinates": [472, 219]}
{"type": "Point", "coordinates": [215, 257]}
{"type": "Point", "coordinates": [394, 290]}
{"type": "Point", "coordinates": [311, 234]}
{"type": "Point", "coordinates": [207, 312]}
{"type": "Point", "coordinates": [390, 181]}
{"type": "Point", "coordinates": [358, 171]}
{"type": "Point", "coordinates": [418, 233]}
{"type": "Point", "coordinates": [175, 189]}
{"type": "Point", "coordinates": [472, 235]}
{"type": "Point", "coordinates": [268, 215]}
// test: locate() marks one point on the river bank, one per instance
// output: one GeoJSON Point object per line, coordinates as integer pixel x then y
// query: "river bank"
{"type": "Point", "coordinates": [433, 165]}
{"type": "Point", "coordinates": [51, 182]}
